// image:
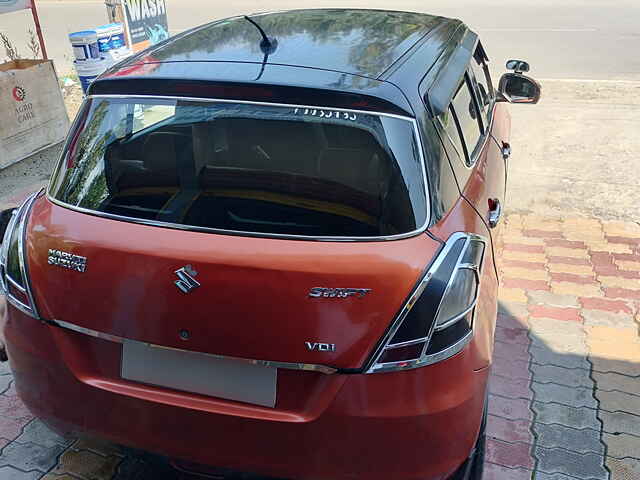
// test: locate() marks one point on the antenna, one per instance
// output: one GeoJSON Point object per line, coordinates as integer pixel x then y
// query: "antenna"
{"type": "Point", "coordinates": [267, 45]}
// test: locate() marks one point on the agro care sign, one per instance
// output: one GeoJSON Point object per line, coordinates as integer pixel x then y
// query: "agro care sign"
{"type": "Point", "coordinates": [13, 5]}
{"type": "Point", "coordinates": [31, 108]}
{"type": "Point", "coordinates": [146, 22]}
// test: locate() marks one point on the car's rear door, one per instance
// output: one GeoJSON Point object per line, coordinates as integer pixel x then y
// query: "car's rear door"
{"type": "Point", "coordinates": [470, 125]}
{"type": "Point", "coordinates": [233, 228]}
{"type": "Point", "coordinates": [494, 117]}
{"type": "Point", "coordinates": [485, 184]}
{"type": "Point", "coordinates": [465, 130]}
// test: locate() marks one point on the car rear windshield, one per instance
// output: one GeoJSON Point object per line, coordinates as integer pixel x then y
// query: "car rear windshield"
{"type": "Point", "coordinates": [245, 167]}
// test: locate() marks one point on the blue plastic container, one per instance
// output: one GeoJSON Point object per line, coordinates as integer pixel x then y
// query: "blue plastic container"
{"type": "Point", "coordinates": [89, 70]}
{"type": "Point", "coordinates": [85, 45]}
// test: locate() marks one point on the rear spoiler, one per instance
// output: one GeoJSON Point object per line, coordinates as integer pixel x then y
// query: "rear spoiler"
{"type": "Point", "coordinates": [446, 83]}
{"type": "Point", "coordinates": [314, 88]}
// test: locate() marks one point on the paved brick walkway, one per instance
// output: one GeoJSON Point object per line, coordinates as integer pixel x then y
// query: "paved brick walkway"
{"type": "Point", "coordinates": [565, 390]}
{"type": "Point", "coordinates": [565, 387]}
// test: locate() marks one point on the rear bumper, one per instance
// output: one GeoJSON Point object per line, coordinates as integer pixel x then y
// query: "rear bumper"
{"type": "Point", "coordinates": [417, 424]}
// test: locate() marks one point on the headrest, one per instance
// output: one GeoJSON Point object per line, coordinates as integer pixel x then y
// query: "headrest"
{"type": "Point", "coordinates": [160, 152]}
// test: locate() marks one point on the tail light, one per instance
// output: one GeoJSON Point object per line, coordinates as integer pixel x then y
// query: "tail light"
{"type": "Point", "coordinates": [14, 272]}
{"type": "Point", "coordinates": [436, 321]}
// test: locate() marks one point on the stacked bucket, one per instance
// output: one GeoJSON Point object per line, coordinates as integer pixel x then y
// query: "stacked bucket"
{"type": "Point", "coordinates": [97, 50]}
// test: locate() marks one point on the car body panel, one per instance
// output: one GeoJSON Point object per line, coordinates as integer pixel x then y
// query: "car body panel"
{"type": "Point", "coordinates": [501, 134]}
{"type": "Point", "coordinates": [344, 427]}
{"type": "Point", "coordinates": [463, 218]}
{"type": "Point", "coordinates": [443, 187]}
{"type": "Point", "coordinates": [487, 181]}
{"type": "Point", "coordinates": [242, 81]}
{"type": "Point", "coordinates": [253, 301]}
{"type": "Point", "coordinates": [131, 275]}
{"type": "Point", "coordinates": [422, 43]}
{"type": "Point", "coordinates": [360, 42]}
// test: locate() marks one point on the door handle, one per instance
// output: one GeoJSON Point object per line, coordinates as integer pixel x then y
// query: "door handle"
{"type": "Point", "coordinates": [506, 150]}
{"type": "Point", "coordinates": [495, 211]}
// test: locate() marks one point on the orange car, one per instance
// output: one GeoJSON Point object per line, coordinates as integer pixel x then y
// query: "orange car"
{"type": "Point", "coordinates": [268, 247]}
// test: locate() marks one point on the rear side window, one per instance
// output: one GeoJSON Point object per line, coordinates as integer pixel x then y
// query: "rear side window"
{"type": "Point", "coordinates": [246, 168]}
{"type": "Point", "coordinates": [468, 119]}
{"type": "Point", "coordinates": [480, 82]}
{"type": "Point", "coordinates": [451, 127]}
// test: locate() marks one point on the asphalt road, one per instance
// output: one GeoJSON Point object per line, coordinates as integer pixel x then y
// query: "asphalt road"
{"type": "Point", "coordinates": [572, 39]}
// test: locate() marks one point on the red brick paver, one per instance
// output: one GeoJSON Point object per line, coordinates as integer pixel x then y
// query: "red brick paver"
{"type": "Point", "coordinates": [498, 472]}
{"type": "Point", "coordinates": [573, 278]}
{"type": "Point", "coordinates": [524, 248]}
{"type": "Point", "coordinates": [511, 431]}
{"type": "Point", "coordinates": [568, 260]}
{"type": "Point", "coordinates": [525, 284]}
{"type": "Point", "coordinates": [605, 305]}
{"type": "Point", "coordinates": [560, 242]}
{"type": "Point", "coordinates": [523, 264]}
{"type": "Point", "coordinates": [622, 293]}
{"type": "Point", "coordinates": [558, 313]}
{"type": "Point", "coordinates": [512, 455]}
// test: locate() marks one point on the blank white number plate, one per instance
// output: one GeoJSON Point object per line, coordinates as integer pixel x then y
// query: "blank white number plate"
{"type": "Point", "coordinates": [199, 373]}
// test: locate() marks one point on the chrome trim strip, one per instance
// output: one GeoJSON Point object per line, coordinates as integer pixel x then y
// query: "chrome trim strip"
{"type": "Point", "coordinates": [4, 249]}
{"type": "Point", "coordinates": [408, 343]}
{"type": "Point", "coordinates": [310, 367]}
{"type": "Point", "coordinates": [454, 319]}
{"type": "Point", "coordinates": [374, 367]}
{"type": "Point", "coordinates": [24, 267]}
{"type": "Point", "coordinates": [425, 360]}
{"type": "Point", "coordinates": [453, 241]}
{"type": "Point", "coordinates": [156, 223]}
{"type": "Point", "coordinates": [16, 285]}
{"type": "Point", "coordinates": [479, 147]}
{"type": "Point", "coordinates": [18, 221]}
{"type": "Point", "coordinates": [449, 351]}
{"type": "Point", "coordinates": [87, 331]}
{"type": "Point", "coordinates": [486, 126]}
{"type": "Point", "coordinates": [403, 314]}
{"type": "Point", "coordinates": [19, 305]}
{"type": "Point", "coordinates": [469, 266]}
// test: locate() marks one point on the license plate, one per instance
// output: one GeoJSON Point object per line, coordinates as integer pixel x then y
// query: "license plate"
{"type": "Point", "coordinates": [199, 373]}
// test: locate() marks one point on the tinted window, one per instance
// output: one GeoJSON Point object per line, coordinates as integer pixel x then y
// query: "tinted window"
{"type": "Point", "coordinates": [466, 113]}
{"type": "Point", "coordinates": [246, 167]}
{"type": "Point", "coordinates": [480, 81]}
{"type": "Point", "coordinates": [450, 126]}
{"type": "Point", "coordinates": [454, 148]}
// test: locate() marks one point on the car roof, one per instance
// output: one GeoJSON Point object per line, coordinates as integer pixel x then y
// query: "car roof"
{"type": "Point", "coordinates": [363, 52]}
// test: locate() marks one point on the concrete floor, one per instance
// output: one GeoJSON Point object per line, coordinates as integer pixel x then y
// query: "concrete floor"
{"type": "Point", "coordinates": [576, 152]}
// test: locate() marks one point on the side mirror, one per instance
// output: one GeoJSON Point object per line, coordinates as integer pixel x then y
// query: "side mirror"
{"type": "Point", "coordinates": [518, 66]}
{"type": "Point", "coordinates": [518, 88]}
{"type": "Point", "coordinates": [5, 218]}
